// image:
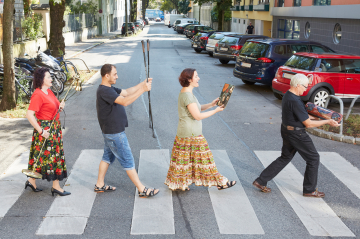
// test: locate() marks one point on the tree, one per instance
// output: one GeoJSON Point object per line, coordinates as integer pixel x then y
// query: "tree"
{"type": "Point", "coordinates": [145, 4]}
{"type": "Point", "coordinates": [57, 41]}
{"type": "Point", "coordinates": [200, 3]}
{"type": "Point", "coordinates": [184, 6]}
{"type": "Point", "coordinates": [8, 99]}
{"type": "Point", "coordinates": [166, 5]}
{"type": "Point", "coordinates": [221, 7]}
{"type": "Point", "coordinates": [133, 10]}
{"type": "Point", "coordinates": [175, 3]}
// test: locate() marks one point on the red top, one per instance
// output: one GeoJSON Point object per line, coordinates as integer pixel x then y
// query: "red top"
{"type": "Point", "coordinates": [45, 106]}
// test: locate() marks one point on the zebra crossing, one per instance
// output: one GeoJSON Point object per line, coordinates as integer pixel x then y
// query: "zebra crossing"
{"type": "Point", "coordinates": [233, 210]}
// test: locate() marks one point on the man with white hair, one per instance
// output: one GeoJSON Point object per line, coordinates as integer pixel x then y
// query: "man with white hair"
{"type": "Point", "coordinates": [295, 139]}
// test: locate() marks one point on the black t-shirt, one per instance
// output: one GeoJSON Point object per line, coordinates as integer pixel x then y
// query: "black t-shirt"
{"type": "Point", "coordinates": [293, 110]}
{"type": "Point", "coordinates": [250, 29]}
{"type": "Point", "coordinates": [112, 117]}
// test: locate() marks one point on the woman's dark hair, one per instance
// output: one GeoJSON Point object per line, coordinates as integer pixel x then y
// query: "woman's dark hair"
{"type": "Point", "coordinates": [185, 77]}
{"type": "Point", "coordinates": [39, 76]}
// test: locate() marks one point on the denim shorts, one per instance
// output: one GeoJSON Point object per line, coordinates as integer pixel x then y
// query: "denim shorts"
{"type": "Point", "coordinates": [117, 146]}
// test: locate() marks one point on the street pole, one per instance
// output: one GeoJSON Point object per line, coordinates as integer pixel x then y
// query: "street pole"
{"type": "Point", "coordinates": [126, 18]}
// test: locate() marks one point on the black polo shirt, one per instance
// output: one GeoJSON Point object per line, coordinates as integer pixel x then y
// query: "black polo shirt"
{"type": "Point", "coordinates": [250, 29]}
{"type": "Point", "coordinates": [293, 110]}
{"type": "Point", "coordinates": [111, 116]}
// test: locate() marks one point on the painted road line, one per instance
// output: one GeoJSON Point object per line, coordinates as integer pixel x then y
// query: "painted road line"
{"type": "Point", "coordinates": [343, 170]}
{"type": "Point", "coordinates": [153, 215]}
{"type": "Point", "coordinates": [318, 218]}
{"type": "Point", "coordinates": [226, 202]}
{"type": "Point", "coordinates": [69, 215]}
{"type": "Point", "coordinates": [12, 183]}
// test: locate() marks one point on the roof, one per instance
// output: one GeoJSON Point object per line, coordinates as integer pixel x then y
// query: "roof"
{"type": "Point", "coordinates": [285, 41]}
{"type": "Point", "coordinates": [327, 55]}
{"type": "Point", "coordinates": [244, 35]}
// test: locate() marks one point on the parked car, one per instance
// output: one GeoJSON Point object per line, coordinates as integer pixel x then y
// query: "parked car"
{"type": "Point", "coordinates": [328, 73]}
{"type": "Point", "coordinates": [213, 39]}
{"type": "Point", "coordinates": [158, 19]}
{"type": "Point", "coordinates": [258, 60]}
{"type": "Point", "coordinates": [138, 24]}
{"type": "Point", "coordinates": [185, 20]}
{"type": "Point", "coordinates": [146, 21]}
{"type": "Point", "coordinates": [195, 29]}
{"type": "Point", "coordinates": [181, 27]}
{"type": "Point", "coordinates": [229, 46]}
{"type": "Point", "coordinates": [200, 39]}
{"type": "Point", "coordinates": [131, 28]}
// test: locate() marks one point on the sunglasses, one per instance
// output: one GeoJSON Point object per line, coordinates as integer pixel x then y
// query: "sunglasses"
{"type": "Point", "coordinates": [305, 86]}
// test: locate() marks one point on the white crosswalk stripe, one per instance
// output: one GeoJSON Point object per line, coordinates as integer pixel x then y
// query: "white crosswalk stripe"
{"type": "Point", "coordinates": [318, 218]}
{"type": "Point", "coordinates": [155, 216]}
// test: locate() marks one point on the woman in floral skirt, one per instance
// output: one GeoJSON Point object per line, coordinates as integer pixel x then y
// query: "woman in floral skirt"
{"type": "Point", "coordinates": [191, 159]}
{"type": "Point", "coordinates": [42, 109]}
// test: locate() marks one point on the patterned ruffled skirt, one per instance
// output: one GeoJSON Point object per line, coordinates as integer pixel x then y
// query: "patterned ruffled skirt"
{"type": "Point", "coordinates": [51, 163]}
{"type": "Point", "coordinates": [192, 162]}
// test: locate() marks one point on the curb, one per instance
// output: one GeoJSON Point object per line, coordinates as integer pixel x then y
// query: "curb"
{"type": "Point", "coordinates": [336, 137]}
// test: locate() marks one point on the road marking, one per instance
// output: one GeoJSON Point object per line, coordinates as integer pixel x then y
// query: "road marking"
{"type": "Point", "coordinates": [233, 211]}
{"type": "Point", "coordinates": [69, 214]}
{"type": "Point", "coordinates": [343, 170]}
{"type": "Point", "coordinates": [12, 182]}
{"type": "Point", "coordinates": [318, 218]}
{"type": "Point", "coordinates": [154, 215]}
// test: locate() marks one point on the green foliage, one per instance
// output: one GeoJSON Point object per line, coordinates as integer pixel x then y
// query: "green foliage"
{"type": "Point", "coordinates": [166, 5]}
{"type": "Point", "coordinates": [184, 6]}
{"type": "Point", "coordinates": [153, 4]}
{"type": "Point", "coordinates": [215, 14]}
{"type": "Point", "coordinates": [87, 7]}
{"type": "Point", "coordinates": [32, 26]}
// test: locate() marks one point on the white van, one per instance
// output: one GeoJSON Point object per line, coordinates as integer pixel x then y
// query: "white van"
{"type": "Point", "coordinates": [185, 20]}
{"type": "Point", "coordinates": [169, 19]}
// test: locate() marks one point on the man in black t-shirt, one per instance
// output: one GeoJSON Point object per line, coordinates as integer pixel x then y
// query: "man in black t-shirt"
{"type": "Point", "coordinates": [110, 102]}
{"type": "Point", "coordinates": [295, 139]}
{"type": "Point", "coordinates": [249, 29]}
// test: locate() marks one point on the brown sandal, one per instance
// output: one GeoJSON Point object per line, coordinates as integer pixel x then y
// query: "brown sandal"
{"type": "Point", "coordinates": [229, 184]}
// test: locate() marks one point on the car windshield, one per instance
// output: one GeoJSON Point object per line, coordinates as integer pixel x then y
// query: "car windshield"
{"type": "Point", "coordinates": [254, 49]}
{"type": "Point", "coordinates": [177, 21]}
{"type": "Point", "coordinates": [301, 62]}
{"type": "Point", "coordinates": [229, 40]}
{"type": "Point", "coordinates": [217, 36]}
{"type": "Point", "coordinates": [129, 24]}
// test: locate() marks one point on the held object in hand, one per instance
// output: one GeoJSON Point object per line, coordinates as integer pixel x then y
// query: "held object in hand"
{"type": "Point", "coordinates": [225, 95]}
{"type": "Point", "coordinates": [323, 113]}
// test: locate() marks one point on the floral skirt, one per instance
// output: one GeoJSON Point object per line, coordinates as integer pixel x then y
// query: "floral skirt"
{"type": "Point", "coordinates": [51, 163]}
{"type": "Point", "coordinates": [192, 162]}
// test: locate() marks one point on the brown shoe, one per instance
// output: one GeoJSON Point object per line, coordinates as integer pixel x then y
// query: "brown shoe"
{"type": "Point", "coordinates": [262, 188]}
{"type": "Point", "coordinates": [315, 194]}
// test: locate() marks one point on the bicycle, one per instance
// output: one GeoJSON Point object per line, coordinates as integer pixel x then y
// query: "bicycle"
{"type": "Point", "coordinates": [27, 88]}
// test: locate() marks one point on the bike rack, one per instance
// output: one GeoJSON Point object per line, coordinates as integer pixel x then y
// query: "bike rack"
{"type": "Point", "coordinates": [80, 60]}
{"type": "Point", "coordinates": [351, 106]}
{"type": "Point", "coordinates": [341, 109]}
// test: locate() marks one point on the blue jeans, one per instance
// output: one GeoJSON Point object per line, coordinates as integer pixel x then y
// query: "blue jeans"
{"type": "Point", "coordinates": [117, 146]}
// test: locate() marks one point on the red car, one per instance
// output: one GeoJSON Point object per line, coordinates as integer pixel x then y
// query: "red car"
{"type": "Point", "coordinates": [328, 73]}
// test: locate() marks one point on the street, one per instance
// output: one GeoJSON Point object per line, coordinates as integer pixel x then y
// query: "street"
{"type": "Point", "coordinates": [244, 138]}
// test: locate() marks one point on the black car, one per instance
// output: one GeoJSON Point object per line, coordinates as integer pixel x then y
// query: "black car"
{"type": "Point", "coordinates": [228, 47]}
{"type": "Point", "coordinates": [139, 24]}
{"type": "Point", "coordinates": [259, 60]}
{"type": "Point", "coordinates": [195, 29]}
{"type": "Point", "coordinates": [200, 39]}
{"type": "Point", "coordinates": [181, 27]}
{"type": "Point", "coordinates": [131, 28]}
{"type": "Point", "coordinates": [213, 39]}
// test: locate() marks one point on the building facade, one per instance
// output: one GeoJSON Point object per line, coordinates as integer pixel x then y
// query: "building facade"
{"type": "Point", "coordinates": [334, 23]}
{"type": "Point", "coordinates": [255, 11]}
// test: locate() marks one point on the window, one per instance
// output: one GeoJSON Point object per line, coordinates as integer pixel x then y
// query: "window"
{"type": "Point", "coordinates": [352, 66]}
{"type": "Point", "coordinates": [298, 48]}
{"type": "Point", "coordinates": [301, 62]}
{"type": "Point", "coordinates": [264, 1]}
{"type": "Point", "coordinates": [280, 3]}
{"type": "Point", "coordinates": [307, 30]}
{"type": "Point", "coordinates": [283, 50]}
{"type": "Point", "coordinates": [229, 40]}
{"type": "Point", "coordinates": [337, 33]}
{"type": "Point", "coordinates": [322, 2]}
{"type": "Point", "coordinates": [254, 49]}
{"type": "Point", "coordinates": [331, 65]}
{"type": "Point", "coordinates": [317, 49]}
{"type": "Point", "coordinates": [289, 29]}
{"type": "Point", "coordinates": [297, 3]}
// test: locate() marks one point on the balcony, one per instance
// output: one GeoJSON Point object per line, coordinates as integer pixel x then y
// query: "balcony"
{"type": "Point", "coordinates": [235, 8]}
{"type": "Point", "coordinates": [248, 7]}
{"type": "Point", "coordinates": [261, 7]}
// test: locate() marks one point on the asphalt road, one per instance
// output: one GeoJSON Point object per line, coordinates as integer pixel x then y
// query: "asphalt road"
{"type": "Point", "coordinates": [250, 122]}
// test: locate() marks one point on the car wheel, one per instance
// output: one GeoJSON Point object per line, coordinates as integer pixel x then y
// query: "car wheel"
{"type": "Point", "coordinates": [248, 82]}
{"type": "Point", "coordinates": [278, 96]}
{"type": "Point", "coordinates": [224, 61]}
{"type": "Point", "coordinates": [319, 97]}
{"type": "Point", "coordinates": [197, 50]}
{"type": "Point", "coordinates": [211, 54]}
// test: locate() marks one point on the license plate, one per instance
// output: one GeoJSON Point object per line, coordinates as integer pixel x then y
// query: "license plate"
{"type": "Point", "coordinates": [194, 45]}
{"type": "Point", "coordinates": [223, 49]}
{"type": "Point", "coordinates": [287, 76]}
{"type": "Point", "coordinates": [243, 64]}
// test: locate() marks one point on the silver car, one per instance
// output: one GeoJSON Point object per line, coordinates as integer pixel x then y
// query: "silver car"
{"type": "Point", "coordinates": [213, 39]}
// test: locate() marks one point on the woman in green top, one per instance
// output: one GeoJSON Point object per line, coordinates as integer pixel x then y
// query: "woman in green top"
{"type": "Point", "coordinates": [191, 158]}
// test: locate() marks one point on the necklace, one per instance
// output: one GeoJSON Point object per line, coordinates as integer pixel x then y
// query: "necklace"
{"type": "Point", "coordinates": [45, 91]}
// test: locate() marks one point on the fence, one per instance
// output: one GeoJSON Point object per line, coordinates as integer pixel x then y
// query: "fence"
{"type": "Point", "coordinates": [74, 22]}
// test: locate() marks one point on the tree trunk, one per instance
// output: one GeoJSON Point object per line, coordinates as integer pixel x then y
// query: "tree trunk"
{"type": "Point", "coordinates": [133, 10]}
{"type": "Point", "coordinates": [220, 20]}
{"type": "Point", "coordinates": [145, 4]}
{"type": "Point", "coordinates": [57, 41]}
{"type": "Point", "coordinates": [200, 13]}
{"type": "Point", "coordinates": [126, 18]}
{"type": "Point", "coordinates": [8, 99]}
